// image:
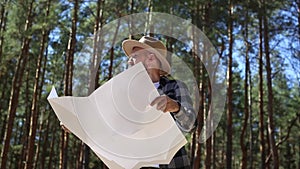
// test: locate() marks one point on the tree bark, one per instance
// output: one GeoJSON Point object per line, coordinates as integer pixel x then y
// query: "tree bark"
{"type": "Point", "coordinates": [3, 122]}
{"type": "Point", "coordinates": [229, 91]}
{"type": "Point", "coordinates": [3, 19]}
{"type": "Point", "coordinates": [68, 81]}
{"type": "Point", "coordinates": [38, 148]}
{"type": "Point", "coordinates": [53, 141]}
{"type": "Point", "coordinates": [209, 125]}
{"type": "Point", "coordinates": [246, 101]}
{"type": "Point", "coordinates": [130, 22]}
{"type": "Point", "coordinates": [245, 123]}
{"type": "Point", "coordinates": [94, 78]}
{"type": "Point", "coordinates": [198, 68]}
{"type": "Point", "coordinates": [251, 138]}
{"type": "Point", "coordinates": [271, 131]}
{"type": "Point", "coordinates": [111, 58]}
{"type": "Point", "coordinates": [149, 25]}
{"type": "Point", "coordinates": [3, 82]}
{"type": "Point", "coordinates": [261, 96]}
{"type": "Point", "coordinates": [200, 117]}
{"type": "Point", "coordinates": [198, 71]}
{"type": "Point", "coordinates": [16, 87]}
{"type": "Point", "coordinates": [45, 144]}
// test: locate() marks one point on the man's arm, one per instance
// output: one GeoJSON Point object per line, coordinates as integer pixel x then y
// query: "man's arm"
{"type": "Point", "coordinates": [186, 116]}
{"type": "Point", "coordinates": [177, 100]}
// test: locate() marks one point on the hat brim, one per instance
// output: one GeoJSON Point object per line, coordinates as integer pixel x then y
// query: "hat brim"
{"type": "Point", "coordinates": [128, 46]}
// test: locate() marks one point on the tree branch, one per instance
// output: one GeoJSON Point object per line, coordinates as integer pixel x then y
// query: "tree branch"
{"type": "Point", "coordinates": [286, 137]}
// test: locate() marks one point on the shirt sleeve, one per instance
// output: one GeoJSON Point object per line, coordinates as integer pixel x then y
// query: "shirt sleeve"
{"type": "Point", "coordinates": [185, 118]}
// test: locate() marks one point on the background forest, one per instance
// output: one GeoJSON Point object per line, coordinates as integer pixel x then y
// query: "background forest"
{"type": "Point", "coordinates": [258, 43]}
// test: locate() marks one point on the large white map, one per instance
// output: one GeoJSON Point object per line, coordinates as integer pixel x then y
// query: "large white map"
{"type": "Point", "coordinates": [117, 122]}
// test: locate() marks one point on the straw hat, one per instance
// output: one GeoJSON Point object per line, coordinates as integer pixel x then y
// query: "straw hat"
{"type": "Point", "coordinates": [153, 45]}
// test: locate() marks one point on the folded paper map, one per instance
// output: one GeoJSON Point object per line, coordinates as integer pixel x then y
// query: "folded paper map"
{"type": "Point", "coordinates": [117, 122]}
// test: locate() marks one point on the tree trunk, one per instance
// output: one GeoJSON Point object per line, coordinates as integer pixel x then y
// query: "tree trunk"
{"type": "Point", "coordinates": [198, 71]}
{"type": "Point", "coordinates": [26, 125]}
{"type": "Point", "coordinates": [193, 148]}
{"type": "Point", "coordinates": [209, 125]}
{"type": "Point", "coordinates": [246, 106]}
{"type": "Point", "coordinates": [3, 82]}
{"type": "Point", "coordinates": [194, 141]}
{"type": "Point", "coordinates": [111, 58]}
{"type": "Point", "coordinates": [251, 138]}
{"type": "Point", "coordinates": [261, 96]}
{"type": "Point", "coordinates": [245, 123]}
{"type": "Point", "coordinates": [132, 10]}
{"type": "Point", "coordinates": [53, 141]}
{"type": "Point", "coordinates": [217, 151]}
{"type": "Point", "coordinates": [45, 144]}
{"type": "Point", "coordinates": [24, 140]}
{"type": "Point", "coordinates": [149, 25]}
{"type": "Point", "coordinates": [16, 87]}
{"type": "Point", "coordinates": [271, 131]}
{"type": "Point", "coordinates": [47, 125]}
{"type": "Point", "coordinates": [68, 81]}
{"type": "Point", "coordinates": [3, 122]}
{"type": "Point", "coordinates": [229, 91]}
{"type": "Point", "coordinates": [200, 117]}
{"type": "Point", "coordinates": [3, 19]}
{"type": "Point", "coordinates": [214, 151]}
{"type": "Point", "coordinates": [38, 151]}
{"type": "Point", "coordinates": [36, 92]}
{"type": "Point", "coordinates": [94, 78]}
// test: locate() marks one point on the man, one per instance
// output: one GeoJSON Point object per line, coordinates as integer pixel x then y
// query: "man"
{"type": "Point", "coordinates": [174, 95]}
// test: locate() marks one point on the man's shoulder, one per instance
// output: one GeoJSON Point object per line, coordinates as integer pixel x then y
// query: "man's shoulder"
{"type": "Point", "coordinates": [171, 80]}
{"type": "Point", "coordinates": [167, 79]}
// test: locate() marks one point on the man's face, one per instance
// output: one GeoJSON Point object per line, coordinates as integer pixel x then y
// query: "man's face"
{"type": "Point", "coordinates": [148, 59]}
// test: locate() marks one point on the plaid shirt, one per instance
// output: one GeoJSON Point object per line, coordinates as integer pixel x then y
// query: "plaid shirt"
{"type": "Point", "coordinates": [185, 118]}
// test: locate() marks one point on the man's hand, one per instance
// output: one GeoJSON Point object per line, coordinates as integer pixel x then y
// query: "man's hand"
{"type": "Point", "coordinates": [165, 104]}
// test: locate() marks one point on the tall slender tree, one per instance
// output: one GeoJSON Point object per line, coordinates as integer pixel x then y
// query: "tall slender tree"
{"type": "Point", "coordinates": [271, 129]}
{"type": "Point", "coordinates": [229, 88]}
{"type": "Point", "coordinates": [246, 106]}
{"type": "Point", "coordinates": [261, 95]}
{"type": "Point", "coordinates": [3, 81]}
{"type": "Point", "coordinates": [3, 21]}
{"type": "Point", "coordinates": [68, 77]}
{"type": "Point", "coordinates": [199, 72]}
{"type": "Point", "coordinates": [112, 57]}
{"type": "Point", "coordinates": [209, 127]}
